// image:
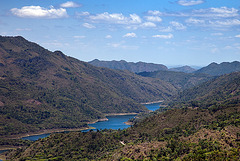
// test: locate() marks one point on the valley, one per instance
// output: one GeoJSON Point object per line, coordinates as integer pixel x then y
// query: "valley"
{"type": "Point", "coordinates": [44, 91]}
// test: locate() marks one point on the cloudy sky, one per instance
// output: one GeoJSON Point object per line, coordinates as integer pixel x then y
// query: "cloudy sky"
{"type": "Point", "coordinates": [170, 32]}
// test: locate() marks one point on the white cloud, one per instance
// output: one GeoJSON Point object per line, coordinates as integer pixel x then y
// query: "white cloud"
{"type": "Point", "coordinates": [148, 24]}
{"type": "Point", "coordinates": [134, 18]}
{"type": "Point", "coordinates": [167, 29]}
{"type": "Point", "coordinates": [169, 36]}
{"type": "Point", "coordinates": [155, 13]}
{"type": "Point", "coordinates": [116, 18]}
{"type": "Point", "coordinates": [210, 13]}
{"type": "Point", "coordinates": [108, 37]}
{"type": "Point", "coordinates": [79, 14]}
{"type": "Point", "coordinates": [121, 45]}
{"type": "Point", "coordinates": [177, 25]}
{"type": "Point", "coordinates": [39, 12]}
{"type": "Point", "coordinates": [153, 18]}
{"type": "Point", "coordinates": [70, 4]}
{"type": "Point", "coordinates": [226, 23]}
{"type": "Point", "coordinates": [194, 21]}
{"type": "Point", "coordinates": [223, 12]}
{"type": "Point", "coordinates": [89, 26]}
{"type": "Point", "coordinates": [132, 34]}
{"type": "Point", "coordinates": [190, 2]}
{"type": "Point", "coordinates": [238, 36]}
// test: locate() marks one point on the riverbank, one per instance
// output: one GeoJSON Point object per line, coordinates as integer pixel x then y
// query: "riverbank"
{"type": "Point", "coordinates": [128, 123]}
{"type": "Point", "coordinates": [46, 131]}
{"type": "Point", "coordinates": [99, 120]}
{"type": "Point", "coordinates": [49, 131]}
{"type": "Point", "coordinates": [121, 114]}
{"type": "Point", "coordinates": [147, 103]}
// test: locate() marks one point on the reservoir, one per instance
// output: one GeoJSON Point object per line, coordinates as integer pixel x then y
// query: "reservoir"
{"type": "Point", "coordinates": [153, 106]}
{"type": "Point", "coordinates": [114, 122]}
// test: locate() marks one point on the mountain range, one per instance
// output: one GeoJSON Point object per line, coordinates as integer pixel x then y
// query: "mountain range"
{"type": "Point", "coordinates": [130, 66]}
{"type": "Point", "coordinates": [212, 69]}
{"type": "Point", "coordinates": [215, 69]}
{"type": "Point", "coordinates": [139, 66]}
{"type": "Point", "coordinates": [40, 89]}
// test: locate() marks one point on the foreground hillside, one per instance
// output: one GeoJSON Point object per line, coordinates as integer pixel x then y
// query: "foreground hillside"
{"type": "Point", "coordinates": [190, 133]}
{"type": "Point", "coordinates": [40, 89]}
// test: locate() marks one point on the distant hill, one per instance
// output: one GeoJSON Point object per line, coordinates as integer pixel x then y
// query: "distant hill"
{"type": "Point", "coordinates": [215, 69]}
{"type": "Point", "coordinates": [130, 66]}
{"type": "Point", "coordinates": [185, 69]}
{"type": "Point", "coordinates": [179, 79]}
{"type": "Point", "coordinates": [40, 89]}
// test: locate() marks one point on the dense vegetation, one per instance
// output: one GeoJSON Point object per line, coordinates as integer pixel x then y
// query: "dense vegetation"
{"type": "Point", "coordinates": [130, 66]}
{"type": "Point", "coordinates": [205, 132]}
{"type": "Point", "coordinates": [179, 79]}
{"type": "Point", "coordinates": [220, 92]}
{"type": "Point", "coordinates": [139, 66]}
{"type": "Point", "coordinates": [40, 89]}
{"type": "Point", "coordinates": [183, 133]}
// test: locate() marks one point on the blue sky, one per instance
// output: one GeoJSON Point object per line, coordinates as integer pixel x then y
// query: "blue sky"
{"type": "Point", "coordinates": [170, 32]}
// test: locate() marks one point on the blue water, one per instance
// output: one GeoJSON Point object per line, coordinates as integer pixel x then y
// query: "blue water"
{"type": "Point", "coordinates": [114, 122]}
{"type": "Point", "coordinates": [2, 151]}
{"type": "Point", "coordinates": [35, 137]}
{"type": "Point", "coordinates": [153, 106]}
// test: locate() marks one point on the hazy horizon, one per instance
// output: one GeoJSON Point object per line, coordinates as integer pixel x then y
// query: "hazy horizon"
{"type": "Point", "coordinates": [171, 32]}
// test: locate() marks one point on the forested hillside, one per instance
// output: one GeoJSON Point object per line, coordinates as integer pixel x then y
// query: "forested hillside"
{"type": "Point", "coordinates": [130, 66]}
{"type": "Point", "coordinates": [205, 132]}
{"type": "Point", "coordinates": [220, 91]}
{"type": "Point", "coordinates": [215, 69]}
{"type": "Point", "coordinates": [40, 89]}
{"type": "Point", "coordinates": [185, 69]}
{"type": "Point", "coordinates": [179, 79]}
